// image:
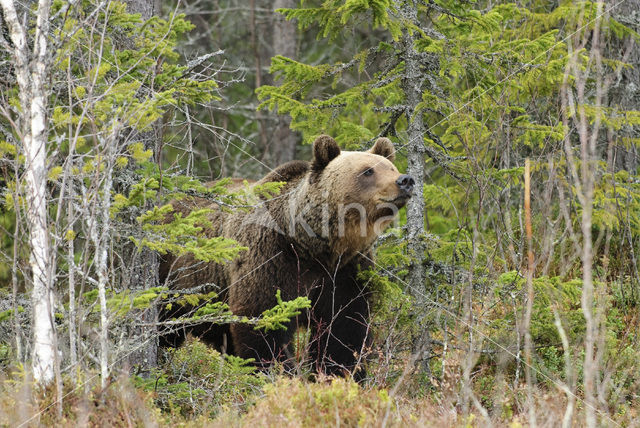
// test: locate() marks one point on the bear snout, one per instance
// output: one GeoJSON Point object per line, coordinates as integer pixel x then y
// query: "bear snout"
{"type": "Point", "coordinates": [405, 183]}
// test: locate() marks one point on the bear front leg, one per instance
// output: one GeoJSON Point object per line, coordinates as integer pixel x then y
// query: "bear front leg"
{"type": "Point", "coordinates": [253, 291]}
{"type": "Point", "coordinates": [341, 321]}
{"type": "Point", "coordinates": [263, 347]}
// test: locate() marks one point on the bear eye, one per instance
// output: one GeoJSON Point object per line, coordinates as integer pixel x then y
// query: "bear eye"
{"type": "Point", "coordinates": [368, 172]}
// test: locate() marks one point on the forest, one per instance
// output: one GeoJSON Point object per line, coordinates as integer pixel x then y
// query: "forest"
{"type": "Point", "coordinates": [505, 293]}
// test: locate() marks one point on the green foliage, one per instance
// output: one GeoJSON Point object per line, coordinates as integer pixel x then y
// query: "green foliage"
{"type": "Point", "coordinates": [120, 304]}
{"type": "Point", "coordinates": [200, 308]}
{"type": "Point", "coordinates": [219, 310]}
{"type": "Point", "coordinates": [186, 235]}
{"type": "Point", "coordinates": [334, 15]}
{"type": "Point", "coordinates": [197, 380]}
{"type": "Point", "coordinates": [204, 307]}
{"type": "Point", "coordinates": [391, 302]}
{"type": "Point", "coordinates": [277, 317]}
{"type": "Point", "coordinates": [304, 404]}
{"type": "Point", "coordinates": [611, 192]}
{"type": "Point", "coordinates": [178, 234]}
{"type": "Point", "coordinates": [117, 82]}
{"type": "Point", "coordinates": [7, 225]}
{"type": "Point", "coordinates": [9, 313]}
{"type": "Point", "coordinates": [489, 77]}
{"type": "Point", "coordinates": [550, 294]}
{"type": "Point", "coordinates": [490, 98]}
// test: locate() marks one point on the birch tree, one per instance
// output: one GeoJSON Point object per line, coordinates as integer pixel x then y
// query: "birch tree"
{"type": "Point", "coordinates": [99, 227]}
{"type": "Point", "coordinates": [31, 66]}
{"type": "Point", "coordinates": [75, 150]}
{"type": "Point", "coordinates": [575, 101]}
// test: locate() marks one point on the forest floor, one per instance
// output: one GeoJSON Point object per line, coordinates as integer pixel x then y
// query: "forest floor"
{"type": "Point", "coordinates": [194, 389]}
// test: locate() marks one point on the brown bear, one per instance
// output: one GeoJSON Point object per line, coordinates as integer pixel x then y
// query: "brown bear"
{"type": "Point", "coordinates": [311, 240]}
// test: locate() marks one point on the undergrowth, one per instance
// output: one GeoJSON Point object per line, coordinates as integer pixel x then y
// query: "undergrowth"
{"type": "Point", "coordinates": [196, 386]}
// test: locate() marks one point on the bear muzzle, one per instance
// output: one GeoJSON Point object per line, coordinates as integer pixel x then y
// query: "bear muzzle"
{"type": "Point", "coordinates": [405, 186]}
{"type": "Point", "coordinates": [405, 183]}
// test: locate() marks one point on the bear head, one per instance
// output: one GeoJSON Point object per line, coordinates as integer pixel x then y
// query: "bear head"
{"type": "Point", "coordinates": [360, 192]}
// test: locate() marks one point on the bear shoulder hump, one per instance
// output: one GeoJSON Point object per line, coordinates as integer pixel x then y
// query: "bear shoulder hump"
{"type": "Point", "coordinates": [287, 172]}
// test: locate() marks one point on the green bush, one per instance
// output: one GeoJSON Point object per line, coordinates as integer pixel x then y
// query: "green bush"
{"type": "Point", "coordinates": [197, 380]}
{"type": "Point", "coordinates": [291, 402]}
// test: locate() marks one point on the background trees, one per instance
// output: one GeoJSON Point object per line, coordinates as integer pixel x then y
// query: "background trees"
{"type": "Point", "coordinates": [106, 116]}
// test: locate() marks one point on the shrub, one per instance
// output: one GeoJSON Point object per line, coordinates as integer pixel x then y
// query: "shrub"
{"type": "Point", "coordinates": [196, 380]}
{"type": "Point", "coordinates": [291, 402]}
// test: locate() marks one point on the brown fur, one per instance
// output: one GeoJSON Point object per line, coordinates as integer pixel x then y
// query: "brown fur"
{"type": "Point", "coordinates": [314, 256]}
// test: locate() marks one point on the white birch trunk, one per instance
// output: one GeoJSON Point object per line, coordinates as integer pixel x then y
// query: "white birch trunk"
{"type": "Point", "coordinates": [588, 171]}
{"type": "Point", "coordinates": [99, 225]}
{"type": "Point", "coordinates": [31, 80]}
{"type": "Point", "coordinates": [528, 343]}
{"type": "Point", "coordinates": [73, 346]}
{"type": "Point", "coordinates": [102, 253]}
{"type": "Point", "coordinates": [585, 188]}
{"type": "Point", "coordinates": [44, 352]}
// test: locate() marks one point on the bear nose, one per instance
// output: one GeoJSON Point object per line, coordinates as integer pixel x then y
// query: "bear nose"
{"type": "Point", "coordinates": [405, 182]}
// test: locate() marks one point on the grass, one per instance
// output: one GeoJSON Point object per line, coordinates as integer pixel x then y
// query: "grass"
{"type": "Point", "coordinates": [195, 386]}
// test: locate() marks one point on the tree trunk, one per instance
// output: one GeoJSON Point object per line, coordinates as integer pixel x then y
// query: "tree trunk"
{"type": "Point", "coordinates": [73, 345]}
{"type": "Point", "coordinates": [262, 127]}
{"type": "Point", "coordinates": [141, 271]}
{"type": "Point", "coordinates": [584, 182]}
{"type": "Point", "coordinates": [412, 87]}
{"type": "Point", "coordinates": [625, 93]}
{"type": "Point", "coordinates": [146, 8]}
{"type": "Point", "coordinates": [415, 167]}
{"type": "Point", "coordinates": [284, 43]}
{"type": "Point", "coordinates": [528, 345]}
{"type": "Point", "coordinates": [31, 78]}
{"type": "Point", "coordinates": [100, 234]}
{"type": "Point", "coordinates": [624, 96]}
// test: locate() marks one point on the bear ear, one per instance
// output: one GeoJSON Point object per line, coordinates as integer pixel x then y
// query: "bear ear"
{"type": "Point", "coordinates": [384, 147]}
{"type": "Point", "coordinates": [325, 149]}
